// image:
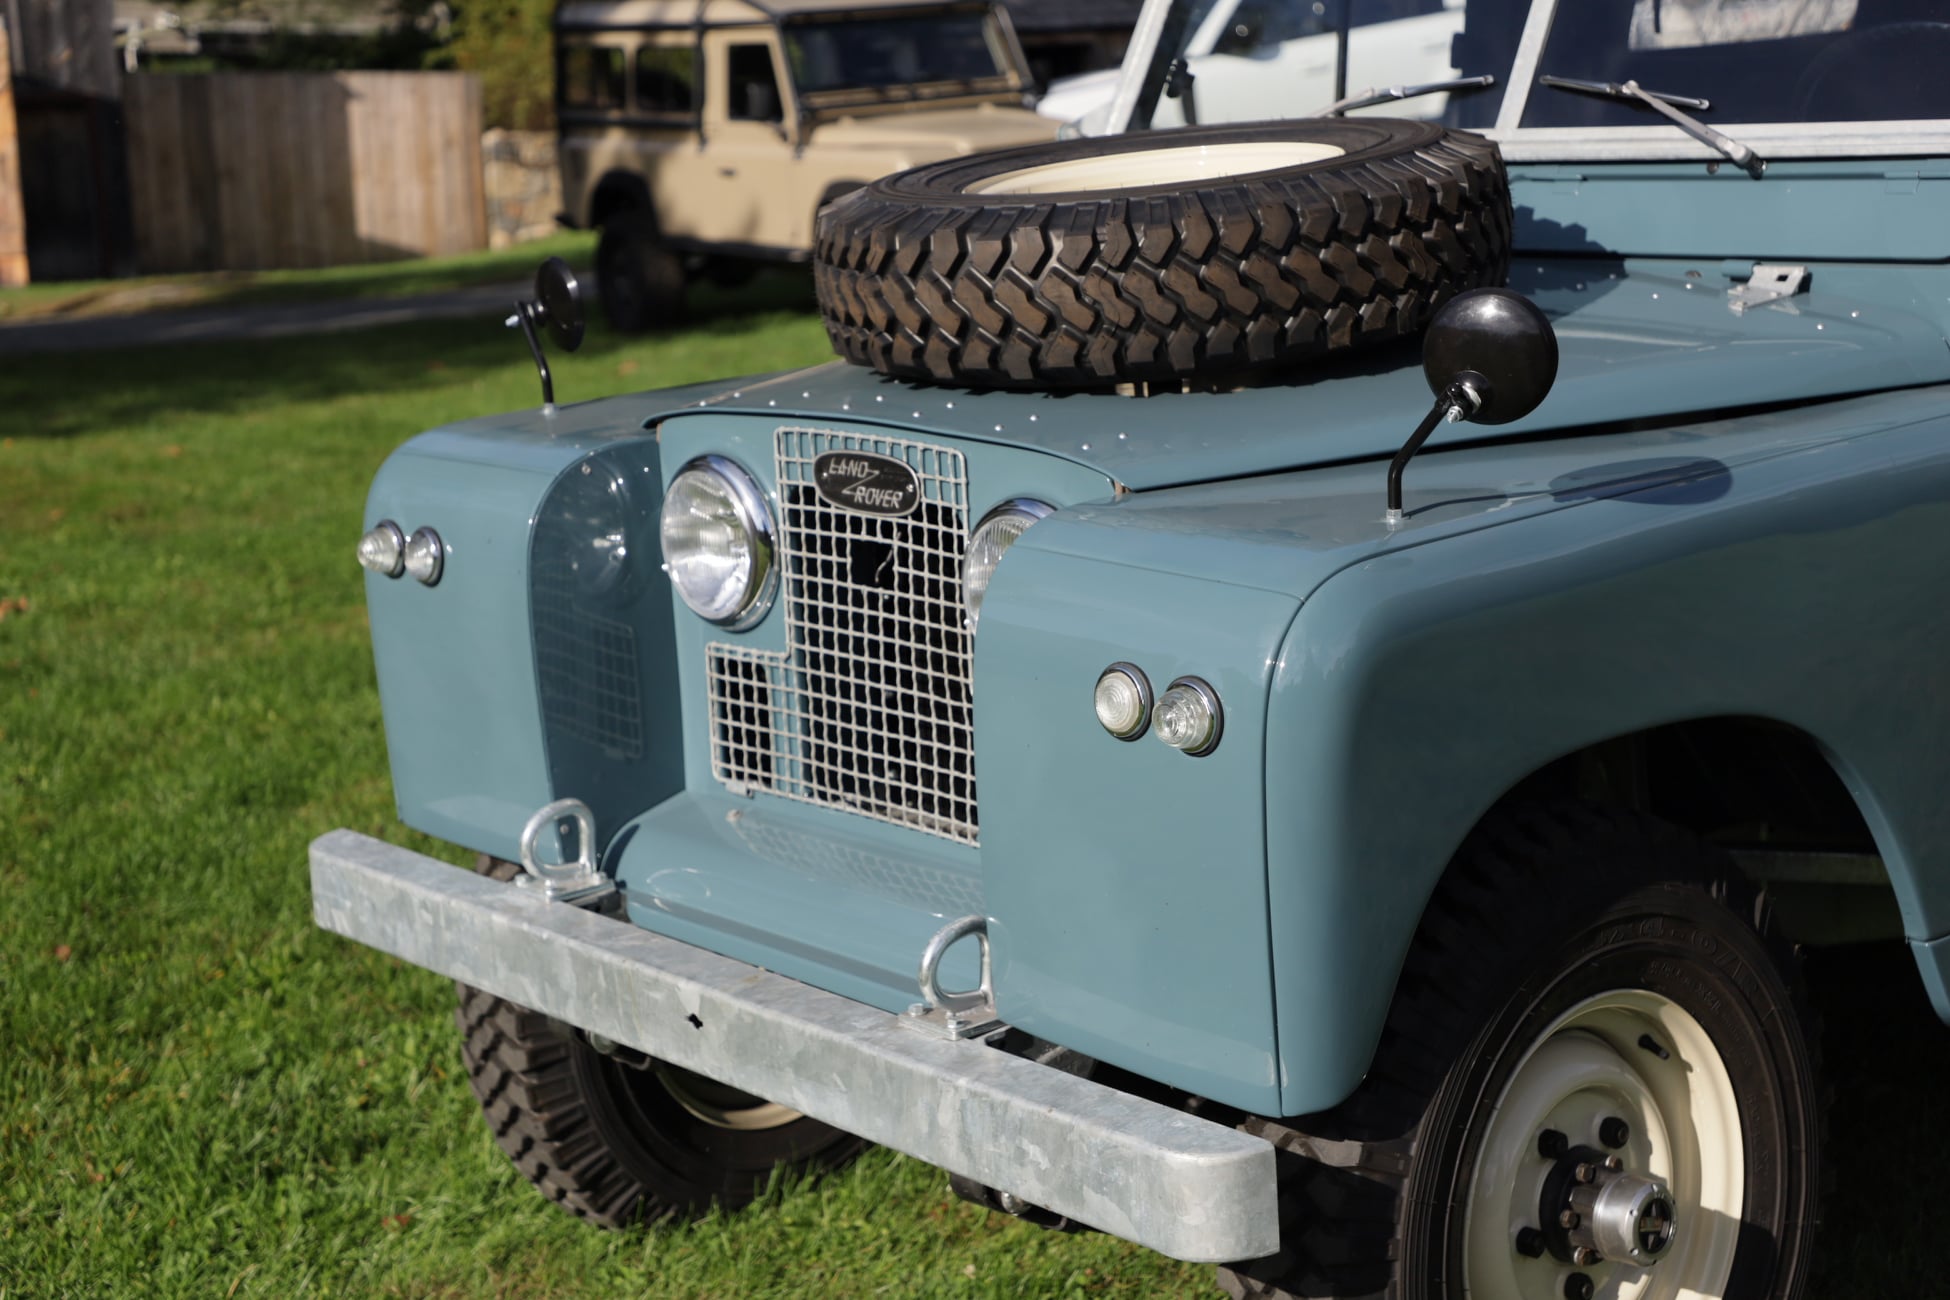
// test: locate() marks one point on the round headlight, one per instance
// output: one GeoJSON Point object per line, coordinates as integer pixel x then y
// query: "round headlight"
{"type": "Point", "coordinates": [1188, 716]}
{"type": "Point", "coordinates": [718, 542]}
{"type": "Point", "coordinates": [1124, 701]}
{"type": "Point", "coordinates": [996, 533]}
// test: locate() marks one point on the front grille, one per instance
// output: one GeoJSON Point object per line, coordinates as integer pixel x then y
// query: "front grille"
{"type": "Point", "coordinates": [869, 708]}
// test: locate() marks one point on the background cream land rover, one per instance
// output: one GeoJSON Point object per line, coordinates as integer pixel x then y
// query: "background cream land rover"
{"type": "Point", "coordinates": [702, 136]}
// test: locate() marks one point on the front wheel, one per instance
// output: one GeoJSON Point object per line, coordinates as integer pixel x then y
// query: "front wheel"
{"type": "Point", "coordinates": [1597, 1080]}
{"type": "Point", "coordinates": [639, 279]}
{"type": "Point", "coordinates": [616, 1137]}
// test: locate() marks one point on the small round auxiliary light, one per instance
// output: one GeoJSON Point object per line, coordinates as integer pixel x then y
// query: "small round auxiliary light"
{"type": "Point", "coordinates": [1188, 716]}
{"type": "Point", "coordinates": [425, 556]}
{"type": "Point", "coordinates": [383, 550]}
{"type": "Point", "coordinates": [1124, 701]}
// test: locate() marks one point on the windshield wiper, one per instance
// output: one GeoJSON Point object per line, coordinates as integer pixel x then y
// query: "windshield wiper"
{"type": "Point", "coordinates": [1631, 92]}
{"type": "Point", "coordinates": [1384, 95]}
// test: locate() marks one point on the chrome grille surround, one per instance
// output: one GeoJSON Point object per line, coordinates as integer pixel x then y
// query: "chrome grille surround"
{"type": "Point", "coordinates": [869, 708]}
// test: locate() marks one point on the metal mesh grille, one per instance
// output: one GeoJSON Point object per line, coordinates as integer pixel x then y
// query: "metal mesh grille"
{"type": "Point", "coordinates": [869, 708]}
{"type": "Point", "coordinates": [587, 667]}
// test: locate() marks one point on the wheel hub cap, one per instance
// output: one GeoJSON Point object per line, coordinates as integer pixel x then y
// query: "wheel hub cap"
{"type": "Point", "coordinates": [1593, 1209]}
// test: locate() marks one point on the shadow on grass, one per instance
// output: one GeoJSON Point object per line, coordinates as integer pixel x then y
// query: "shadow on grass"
{"type": "Point", "coordinates": [388, 279]}
{"type": "Point", "coordinates": [62, 395]}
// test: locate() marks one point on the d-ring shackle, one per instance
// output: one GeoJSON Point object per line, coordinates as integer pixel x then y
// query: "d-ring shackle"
{"type": "Point", "coordinates": [980, 998]}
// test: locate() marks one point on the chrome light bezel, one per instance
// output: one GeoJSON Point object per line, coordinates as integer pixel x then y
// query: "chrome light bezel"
{"type": "Point", "coordinates": [424, 556]}
{"type": "Point", "coordinates": [1146, 700]}
{"type": "Point", "coordinates": [388, 533]}
{"type": "Point", "coordinates": [755, 514]}
{"type": "Point", "coordinates": [1015, 507]}
{"type": "Point", "coordinates": [1204, 690]}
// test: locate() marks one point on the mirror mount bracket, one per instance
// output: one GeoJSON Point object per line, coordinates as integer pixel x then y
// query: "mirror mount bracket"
{"type": "Point", "coordinates": [557, 307]}
{"type": "Point", "coordinates": [1459, 401]}
{"type": "Point", "coordinates": [525, 313]}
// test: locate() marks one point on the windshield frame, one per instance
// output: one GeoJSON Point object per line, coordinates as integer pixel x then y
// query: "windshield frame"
{"type": "Point", "coordinates": [1655, 141]}
{"type": "Point", "coordinates": [1010, 82]}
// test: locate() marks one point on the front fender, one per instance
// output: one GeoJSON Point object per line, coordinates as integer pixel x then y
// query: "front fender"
{"type": "Point", "coordinates": [1420, 684]}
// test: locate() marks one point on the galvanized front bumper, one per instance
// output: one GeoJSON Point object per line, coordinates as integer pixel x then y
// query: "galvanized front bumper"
{"type": "Point", "coordinates": [1178, 1184]}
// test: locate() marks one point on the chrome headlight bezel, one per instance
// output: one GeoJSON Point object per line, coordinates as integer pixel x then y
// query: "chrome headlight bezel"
{"type": "Point", "coordinates": [754, 515]}
{"type": "Point", "coordinates": [975, 582]}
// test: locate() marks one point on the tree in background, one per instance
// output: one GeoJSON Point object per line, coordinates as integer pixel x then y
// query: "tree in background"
{"type": "Point", "coordinates": [507, 44]}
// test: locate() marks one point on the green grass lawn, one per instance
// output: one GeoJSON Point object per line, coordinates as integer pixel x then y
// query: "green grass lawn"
{"type": "Point", "coordinates": [202, 1095]}
{"type": "Point", "coordinates": [71, 298]}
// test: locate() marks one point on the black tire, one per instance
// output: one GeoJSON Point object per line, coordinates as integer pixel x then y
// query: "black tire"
{"type": "Point", "coordinates": [924, 276]}
{"type": "Point", "coordinates": [1541, 914]}
{"type": "Point", "coordinates": [638, 278]}
{"type": "Point", "coordinates": [620, 1139]}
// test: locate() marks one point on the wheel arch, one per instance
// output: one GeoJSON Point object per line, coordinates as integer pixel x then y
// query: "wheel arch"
{"type": "Point", "coordinates": [620, 190]}
{"type": "Point", "coordinates": [1714, 775]}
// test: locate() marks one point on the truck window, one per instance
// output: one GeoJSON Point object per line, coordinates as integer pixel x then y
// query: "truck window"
{"type": "Point", "coordinates": [1260, 24]}
{"type": "Point", "coordinates": [753, 84]}
{"type": "Point", "coordinates": [877, 53]}
{"type": "Point", "coordinates": [666, 79]}
{"type": "Point", "coordinates": [589, 76]}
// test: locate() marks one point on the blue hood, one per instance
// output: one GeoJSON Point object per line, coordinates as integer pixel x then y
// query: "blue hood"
{"type": "Point", "coordinates": [1637, 341]}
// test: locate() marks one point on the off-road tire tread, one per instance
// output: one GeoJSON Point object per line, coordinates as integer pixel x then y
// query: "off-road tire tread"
{"type": "Point", "coordinates": [1342, 1173]}
{"type": "Point", "coordinates": [1260, 273]}
{"type": "Point", "coordinates": [518, 1063]}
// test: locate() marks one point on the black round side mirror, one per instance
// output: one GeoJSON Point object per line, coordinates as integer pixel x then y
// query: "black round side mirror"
{"type": "Point", "coordinates": [560, 297]}
{"type": "Point", "coordinates": [1498, 344]}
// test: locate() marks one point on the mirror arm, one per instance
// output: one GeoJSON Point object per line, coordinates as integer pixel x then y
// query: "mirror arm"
{"type": "Point", "coordinates": [1460, 400]}
{"type": "Point", "coordinates": [525, 317]}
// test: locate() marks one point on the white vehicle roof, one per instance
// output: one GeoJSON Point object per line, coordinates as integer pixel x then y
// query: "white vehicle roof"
{"type": "Point", "coordinates": [1797, 78]}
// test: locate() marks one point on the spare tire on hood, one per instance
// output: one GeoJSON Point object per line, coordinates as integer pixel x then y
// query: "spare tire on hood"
{"type": "Point", "coordinates": [1163, 256]}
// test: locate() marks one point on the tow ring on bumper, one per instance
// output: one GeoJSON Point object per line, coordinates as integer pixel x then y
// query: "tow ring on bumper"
{"type": "Point", "coordinates": [966, 1014]}
{"type": "Point", "coordinates": [578, 882]}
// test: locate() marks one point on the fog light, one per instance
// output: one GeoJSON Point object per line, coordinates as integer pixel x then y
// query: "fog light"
{"type": "Point", "coordinates": [1124, 701]}
{"type": "Point", "coordinates": [1188, 716]}
{"type": "Point", "coordinates": [425, 556]}
{"type": "Point", "coordinates": [383, 550]}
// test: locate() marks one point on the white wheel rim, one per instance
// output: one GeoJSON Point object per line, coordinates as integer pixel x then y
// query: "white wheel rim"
{"type": "Point", "coordinates": [1186, 165]}
{"type": "Point", "coordinates": [720, 1105]}
{"type": "Point", "coordinates": [1685, 1129]}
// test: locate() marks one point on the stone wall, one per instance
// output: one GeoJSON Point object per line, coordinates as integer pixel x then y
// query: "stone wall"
{"type": "Point", "coordinates": [523, 187]}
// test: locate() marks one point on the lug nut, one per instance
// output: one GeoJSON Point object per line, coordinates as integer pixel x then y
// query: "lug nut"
{"type": "Point", "coordinates": [1584, 1257]}
{"type": "Point", "coordinates": [1585, 1172]}
{"type": "Point", "coordinates": [1578, 1287]}
{"type": "Point", "coordinates": [1614, 1164]}
{"type": "Point", "coordinates": [1568, 1220]}
{"type": "Point", "coordinates": [1551, 1144]}
{"type": "Point", "coordinates": [1530, 1243]}
{"type": "Point", "coordinates": [1614, 1132]}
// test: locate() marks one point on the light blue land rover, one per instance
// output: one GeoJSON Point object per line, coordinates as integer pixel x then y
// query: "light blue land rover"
{"type": "Point", "coordinates": [1113, 737]}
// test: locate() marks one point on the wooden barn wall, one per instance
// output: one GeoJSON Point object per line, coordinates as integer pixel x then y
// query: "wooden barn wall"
{"type": "Point", "coordinates": [252, 171]}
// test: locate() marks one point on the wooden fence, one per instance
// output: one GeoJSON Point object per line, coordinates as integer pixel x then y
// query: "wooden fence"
{"type": "Point", "coordinates": [249, 171]}
{"type": "Point", "coordinates": [13, 218]}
